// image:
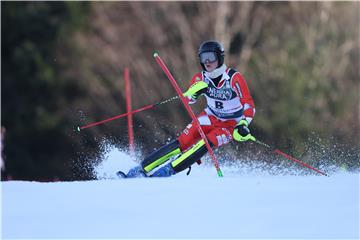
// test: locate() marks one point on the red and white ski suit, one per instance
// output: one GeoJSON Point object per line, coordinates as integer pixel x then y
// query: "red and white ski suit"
{"type": "Point", "coordinates": [227, 103]}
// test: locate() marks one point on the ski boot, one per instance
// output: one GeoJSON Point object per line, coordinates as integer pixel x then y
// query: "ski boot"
{"type": "Point", "coordinates": [165, 171]}
{"type": "Point", "coordinates": [134, 172]}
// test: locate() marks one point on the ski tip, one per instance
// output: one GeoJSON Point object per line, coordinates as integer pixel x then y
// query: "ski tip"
{"type": "Point", "coordinates": [121, 174]}
{"type": "Point", "coordinates": [77, 129]}
{"type": "Point", "coordinates": [155, 54]}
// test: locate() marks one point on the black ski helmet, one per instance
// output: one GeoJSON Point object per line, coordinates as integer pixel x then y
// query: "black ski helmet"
{"type": "Point", "coordinates": [212, 46]}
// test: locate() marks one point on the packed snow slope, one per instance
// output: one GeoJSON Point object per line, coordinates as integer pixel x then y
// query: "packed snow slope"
{"type": "Point", "coordinates": [202, 205]}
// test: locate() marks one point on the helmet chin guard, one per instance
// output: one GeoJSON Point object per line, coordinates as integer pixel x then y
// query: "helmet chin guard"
{"type": "Point", "coordinates": [208, 47]}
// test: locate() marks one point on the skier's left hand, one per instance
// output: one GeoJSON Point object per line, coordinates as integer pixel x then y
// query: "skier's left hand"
{"type": "Point", "coordinates": [242, 133]}
{"type": "Point", "coordinates": [196, 90]}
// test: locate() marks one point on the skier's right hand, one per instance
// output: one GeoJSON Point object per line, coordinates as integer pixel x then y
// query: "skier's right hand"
{"type": "Point", "coordinates": [196, 90]}
{"type": "Point", "coordinates": [242, 133]}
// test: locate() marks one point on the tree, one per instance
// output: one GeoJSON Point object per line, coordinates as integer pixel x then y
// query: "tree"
{"type": "Point", "coordinates": [34, 94]}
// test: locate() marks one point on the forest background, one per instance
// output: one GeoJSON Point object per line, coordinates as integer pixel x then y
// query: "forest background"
{"type": "Point", "coordinates": [62, 66]}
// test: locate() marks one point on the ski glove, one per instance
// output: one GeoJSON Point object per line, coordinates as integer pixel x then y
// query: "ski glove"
{"type": "Point", "coordinates": [196, 90]}
{"type": "Point", "coordinates": [242, 133]}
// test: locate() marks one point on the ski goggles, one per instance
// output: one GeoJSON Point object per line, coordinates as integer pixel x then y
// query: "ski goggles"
{"type": "Point", "coordinates": [208, 57]}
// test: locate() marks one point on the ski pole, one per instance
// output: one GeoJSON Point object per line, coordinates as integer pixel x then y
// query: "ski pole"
{"type": "Point", "coordinates": [78, 129]}
{"type": "Point", "coordinates": [189, 110]}
{"type": "Point", "coordinates": [289, 157]}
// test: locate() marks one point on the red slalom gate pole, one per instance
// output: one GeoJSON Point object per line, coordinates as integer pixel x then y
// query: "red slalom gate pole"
{"type": "Point", "coordinates": [291, 158]}
{"type": "Point", "coordinates": [78, 129]}
{"type": "Point", "coordinates": [189, 110]}
{"type": "Point", "coordinates": [128, 109]}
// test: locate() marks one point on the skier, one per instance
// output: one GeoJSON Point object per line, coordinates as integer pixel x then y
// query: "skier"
{"type": "Point", "coordinates": [229, 111]}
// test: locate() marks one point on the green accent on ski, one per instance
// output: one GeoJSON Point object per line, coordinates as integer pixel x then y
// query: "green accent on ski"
{"type": "Point", "coordinates": [188, 153]}
{"type": "Point", "coordinates": [155, 54]}
{"type": "Point", "coordinates": [161, 160]}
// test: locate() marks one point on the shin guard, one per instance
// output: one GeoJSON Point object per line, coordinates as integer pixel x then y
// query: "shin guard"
{"type": "Point", "coordinates": [189, 157]}
{"type": "Point", "coordinates": [160, 156]}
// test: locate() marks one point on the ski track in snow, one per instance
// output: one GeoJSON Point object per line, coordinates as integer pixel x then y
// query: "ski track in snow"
{"type": "Point", "coordinates": [242, 205]}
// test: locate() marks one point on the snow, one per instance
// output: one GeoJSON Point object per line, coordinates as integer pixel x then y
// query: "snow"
{"type": "Point", "coordinates": [202, 205]}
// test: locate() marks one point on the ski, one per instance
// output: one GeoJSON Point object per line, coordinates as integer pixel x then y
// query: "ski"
{"type": "Point", "coordinates": [121, 174]}
{"type": "Point", "coordinates": [136, 173]}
